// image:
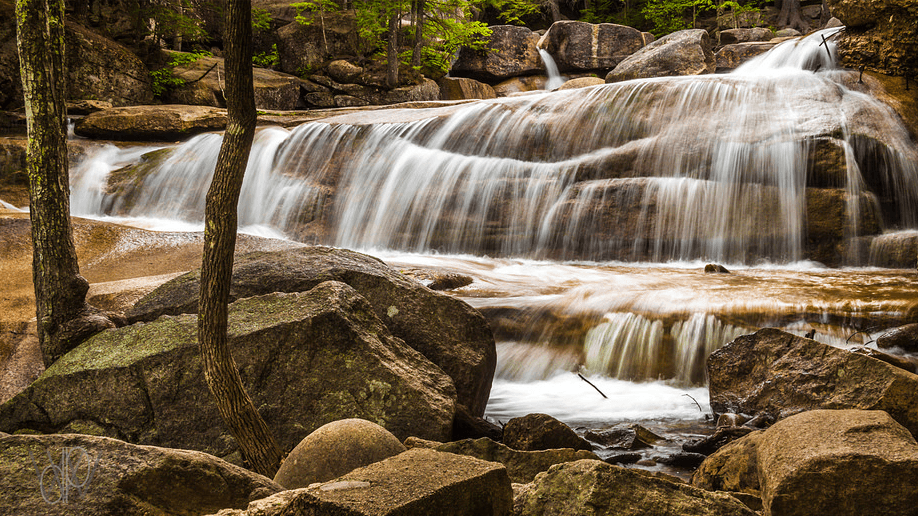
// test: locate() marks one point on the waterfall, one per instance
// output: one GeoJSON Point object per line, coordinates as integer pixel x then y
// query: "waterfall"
{"type": "Point", "coordinates": [633, 347]}
{"type": "Point", "coordinates": [555, 80]}
{"type": "Point", "coordinates": [782, 161]}
{"type": "Point", "coordinates": [726, 168]}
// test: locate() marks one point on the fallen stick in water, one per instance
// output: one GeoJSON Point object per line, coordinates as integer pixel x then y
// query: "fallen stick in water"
{"type": "Point", "coordinates": [593, 386]}
{"type": "Point", "coordinates": [696, 401]}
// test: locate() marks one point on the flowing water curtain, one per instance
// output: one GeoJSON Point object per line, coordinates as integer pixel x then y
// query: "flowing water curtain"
{"type": "Point", "coordinates": [629, 346]}
{"type": "Point", "coordinates": [678, 168]}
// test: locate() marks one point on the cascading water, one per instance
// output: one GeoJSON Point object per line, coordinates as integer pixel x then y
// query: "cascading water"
{"type": "Point", "coordinates": [555, 80]}
{"type": "Point", "coordinates": [745, 169]}
{"type": "Point", "coordinates": [722, 168]}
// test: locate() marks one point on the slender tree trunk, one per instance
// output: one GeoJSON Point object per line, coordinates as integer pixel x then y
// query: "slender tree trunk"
{"type": "Point", "coordinates": [418, 33]}
{"type": "Point", "coordinates": [245, 423]}
{"type": "Point", "coordinates": [60, 291]}
{"type": "Point", "coordinates": [392, 54]}
{"type": "Point", "coordinates": [790, 16]}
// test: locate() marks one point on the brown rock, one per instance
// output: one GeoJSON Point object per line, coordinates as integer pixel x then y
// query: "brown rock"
{"type": "Point", "coordinates": [580, 46]}
{"type": "Point", "coordinates": [686, 52]}
{"type": "Point", "coordinates": [204, 83]}
{"type": "Point", "coordinates": [445, 330]}
{"type": "Point", "coordinates": [581, 82]}
{"type": "Point", "coordinates": [731, 36]}
{"type": "Point", "coordinates": [733, 55]}
{"type": "Point", "coordinates": [520, 85]}
{"type": "Point", "coordinates": [100, 69]}
{"type": "Point", "coordinates": [461, 88]}
{"type": "Point", "coordinates": [418, 482]}
{"type": "Point", "coordinates": [334, 449]}
{"type": "Point", "coordinates": [302, 47]}
{"type": "Point", "coordinates": [125, 478]}
{"type": "Point", "coordinates": [511, 51]}
{"type": "Point", "coordinates": [599, 489]}
{"type": "Point", "coordinates": [170, 122]}
{"type": "Point", "coordinates": [522, 466]}
{"type": "Point", "coordinates": [903, 337]}
{"type": "Point", "coordinates": [782, 374]}
{"type": "Point", "coordinates": [838, 462]}
{"type": "Point", "coordinates": [306, 359]}
{"type": "Point", "coordinates": [731, 468]}
{"type": "Point", "coordinates": [541, 432]}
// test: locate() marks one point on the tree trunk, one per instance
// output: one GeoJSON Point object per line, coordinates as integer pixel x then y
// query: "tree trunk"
{"type": "Point", "coordinates": [248, 428]}
{"type": "Point", "coordinates": [418, 33]}
{"type": "Point", "coordinates": [60, 291]}
{"type": "Point", "coordinates": [790, 16]}
{"type": "Point", "coordinates": [392, 53]}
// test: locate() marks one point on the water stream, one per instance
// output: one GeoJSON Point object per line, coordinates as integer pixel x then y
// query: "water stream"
{"type": "Point", "coordinates": [585, 218]}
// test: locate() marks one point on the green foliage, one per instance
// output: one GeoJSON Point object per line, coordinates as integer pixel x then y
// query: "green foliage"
{"type": "Point", "coordinates": [312, 6]}
{"type": "Point", "coordinates": [667, 15]}
{"type": "Point", "coordinates": [167, 22]}
{"type": "Point", "coordinates": [448, 35]}
{"type": "Point", "coordinates": [261, 20]}
{"type": "Point", "coordinates": [673, 15]}
{"type": "Point", "coordinates": [512, 12]}
{"type": "Point", "coordinates": [163, 80]}
{"type": "Point", "coordinates": [266, 59]}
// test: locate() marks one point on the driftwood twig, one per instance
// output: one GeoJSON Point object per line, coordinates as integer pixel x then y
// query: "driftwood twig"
{"type": "Point", "coordinates": [593, 386]}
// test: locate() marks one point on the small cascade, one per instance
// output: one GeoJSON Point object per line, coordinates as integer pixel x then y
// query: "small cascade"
{"type": "Point", "coordinates": [695, 339]}
{"type": "Point", "coordinates": [633, 347]}
{"type": "Point", "coordinates": [555, 80]}
{"type": "Point", "coordinates": [626, 346]}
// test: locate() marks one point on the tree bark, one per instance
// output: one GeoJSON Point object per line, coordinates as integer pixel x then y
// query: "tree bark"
{"type": "Point", "coordinates": [392, 49]}
{"type": "Point", "coordinates": [420, 6]}
{"type": "Point", "coordinates": [245, 423]}
{"type": "Point", "coordinates": [790, 16]}
{"type": "Point", "coordinates": [60, 291]}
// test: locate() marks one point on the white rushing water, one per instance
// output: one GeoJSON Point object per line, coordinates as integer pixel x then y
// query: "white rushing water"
{"type": "Point", "coordinates": [585, 218]}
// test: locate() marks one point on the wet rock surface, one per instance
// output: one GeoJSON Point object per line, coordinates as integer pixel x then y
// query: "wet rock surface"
{"type": "Point", "coordinates": [781, 374]}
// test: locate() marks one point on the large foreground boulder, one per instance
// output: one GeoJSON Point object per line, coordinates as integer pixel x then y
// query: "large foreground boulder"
{"type": "Point", "coordinates": [419, 482]}
{"type": "Point", "coordinates": [595, 488]}
{"type": "Point", "coordinates": [836, 463]}
{"type": "Point", "coordinates": [580, 46]}
{"type": "Point", "coordinates": [106, 476]}
{"type": "Point", "coordinates": [778, 373]}
{"type": "Point", "coordinates": [306, 359]}
{"type": "Point", "coordinates": [511, 51]}
{"type": "Point", "coordinates": [822, 462]}
{"type": "Point", "coordinates": [141, 123]}
{"type": "Point", "coordinates": [447, 331]}
{"type": "Point", "coordinates": [687, 52]}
